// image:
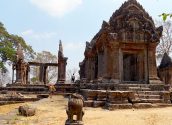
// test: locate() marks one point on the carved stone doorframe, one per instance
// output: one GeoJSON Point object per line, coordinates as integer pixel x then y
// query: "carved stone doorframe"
{"type": "Point", "coordinates": [138, 66]}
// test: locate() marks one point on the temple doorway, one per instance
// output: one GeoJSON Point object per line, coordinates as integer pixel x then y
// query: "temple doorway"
{"type": "Point", "coordinates": [130, 67]}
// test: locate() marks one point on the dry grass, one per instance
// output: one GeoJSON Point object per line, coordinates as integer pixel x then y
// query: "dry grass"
{"type": "Point", "coordinates": [7, 108]}
{"type": "Point", "coordinates": [52, 112]}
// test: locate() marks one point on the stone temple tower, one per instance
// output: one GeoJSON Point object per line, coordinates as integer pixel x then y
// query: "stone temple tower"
{"type": "Point", "coordinates": [62, 62]}
{"type": "Point", "coordinates": [21, 67]}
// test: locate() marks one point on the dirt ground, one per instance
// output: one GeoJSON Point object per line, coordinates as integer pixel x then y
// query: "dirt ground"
{"type": "Point", "coordinates": [52, 112]}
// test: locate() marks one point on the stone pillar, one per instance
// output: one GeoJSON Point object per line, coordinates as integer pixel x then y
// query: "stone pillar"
{"type": "Point", "coordinates": [105, 63]}
{"type": "Point", "coordinates": [93, 68]}
{"type": "Point", "coordinates": [110, 61]}
{"type": "Point", "coordinates": [141, 67]}
{"type": "Point", "coordinates": [41, 73]}
{"type": "Point", "coordinates": [153, 78]}
{"type": "Point", "coordinates": [120, 65]}
{"type": "Point", "coordinates": [45, 74]}
{"type": "Point", "coordinates": [89, 69]}
{"type": "Point", "coordinates": [62, 62]}
{"type": "Point", "coordinates": [82, 72]}
{"type": "Point", "coordinates": [86, 68]}
{"type": "Point", "coordinates": [116, 74]}
{"type": "Point", "coordinates": [19, 72]}
{"type": "Point", "coordinates": [62, 69]}
{"type": "Point", "coordinates": [100, 64]}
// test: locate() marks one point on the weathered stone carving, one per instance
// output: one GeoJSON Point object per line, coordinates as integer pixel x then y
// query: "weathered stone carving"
{"type": "Point", "coordinates": [75, 107]}
{"type": "Point", "coordinates": [26, 110]}
{"type": "Point", "coordinates": [21, 67]}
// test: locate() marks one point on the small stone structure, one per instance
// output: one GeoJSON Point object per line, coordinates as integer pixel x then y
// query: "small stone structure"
{"type": "Point", "coordinates": [119, 69]}
{"type": "Point", "coordinates": [123, 51]}
{"type": "Point", "coordinates": [75, 107]}
{"type": "Point", "coordinates": [21, 67]}
{"type": "Point", "coordinates": [165, 70]}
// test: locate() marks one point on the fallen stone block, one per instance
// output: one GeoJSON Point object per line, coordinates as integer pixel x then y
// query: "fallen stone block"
{"type": "Point", "coordinates": [26, 110]}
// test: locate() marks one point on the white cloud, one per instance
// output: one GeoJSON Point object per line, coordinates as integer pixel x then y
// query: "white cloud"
{"type": "Point", "coordinates": [74, 46]}
{"type": "Point", "coordinates": [56, 8]}
{"type": "Point", "coordinates": [36, 35]}
{"type": "Point", "coordinates": [27, 32]}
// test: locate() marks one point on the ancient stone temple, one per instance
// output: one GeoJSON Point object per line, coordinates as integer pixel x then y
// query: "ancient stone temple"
{"type": "Point", "coordinates": [62, 62]}
{"type": "Point", "coordinates": [165, 69]}
{"type": "Point", "coordinates": [123, 51]}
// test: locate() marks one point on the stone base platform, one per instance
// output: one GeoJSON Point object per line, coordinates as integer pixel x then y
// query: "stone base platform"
{"type": "Point", "coordinates": [39, 89]}
{"type": "Point", "coordinates": [130, 96]}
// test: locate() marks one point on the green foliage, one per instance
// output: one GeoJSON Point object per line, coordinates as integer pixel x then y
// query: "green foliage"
{"type": "Point", "coordinates": [165, 16]}
{"type": "Point", "coordinates": [8, 45]}
{"type": "Point", "coordinates": [34, 79]}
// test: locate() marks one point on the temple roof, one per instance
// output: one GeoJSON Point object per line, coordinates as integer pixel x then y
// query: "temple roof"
{"type": "Point", "coordinates": [131, 6]}
{"type": "Point", "coordinates": [130, 18]}
{"type": "Point", "coordinates": [119, 20]}
{"type": "Point", "coordinates": [166, 61]}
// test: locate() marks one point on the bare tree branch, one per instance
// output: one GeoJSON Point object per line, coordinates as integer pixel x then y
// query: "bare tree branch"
{"type": "Point", "coordinates": [165, 45]}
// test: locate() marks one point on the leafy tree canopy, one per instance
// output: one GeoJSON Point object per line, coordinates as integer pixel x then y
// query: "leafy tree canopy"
{"type": "Point", "coordinates": [8, 45]}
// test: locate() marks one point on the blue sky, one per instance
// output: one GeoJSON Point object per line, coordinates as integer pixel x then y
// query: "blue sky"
{"type": "Point", "coordinates": [42, 23]}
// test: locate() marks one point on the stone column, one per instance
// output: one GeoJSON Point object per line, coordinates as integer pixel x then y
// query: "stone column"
{"type": "Point", "coordinates": [45, 74]}
{"type": "Point", "coordinates": [62, 69]}
{"type": "Point", "coordinates": [141, 66]}
{"type": "Point", "coordinates": [62, 62]}
{"type": "Point", "coordinates": [120, 65]}
{"type": "Point", "coordinates": [153, 78]}
{"type": "Point", "coordinates": [100, 64]}
{"type": "Point", "coordinates": [116, 74]}
{"type": "Point", "coordinates": [86, 68]}
{"type": "Point", "coordinates": [105, 63]}
{"type": "Point", "coordinates": [110, 62]}
{"type": "Point", "coordinates": [41, 73]}
{"type": "Point", "coordinates": [92, 68]}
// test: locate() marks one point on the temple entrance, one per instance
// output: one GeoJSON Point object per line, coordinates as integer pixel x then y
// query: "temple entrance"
{"type": "Point", "coordinates": [130, 67]}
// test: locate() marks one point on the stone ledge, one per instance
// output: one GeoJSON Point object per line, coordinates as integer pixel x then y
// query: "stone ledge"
{"type": "Point", "coordinates": [118, 106]}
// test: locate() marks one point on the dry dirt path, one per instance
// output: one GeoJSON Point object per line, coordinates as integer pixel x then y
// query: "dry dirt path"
{"type": "Point", "coordinates": [52, 112]}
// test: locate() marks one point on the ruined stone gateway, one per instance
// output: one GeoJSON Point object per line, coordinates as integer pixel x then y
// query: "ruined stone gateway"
{"type": "Point", "coordinates": [124, 48]}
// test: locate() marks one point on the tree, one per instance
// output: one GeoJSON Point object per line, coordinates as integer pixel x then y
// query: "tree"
{"type": "Point", "coordinates": [165, 45]}
{"type": "Point", "coordinates": [45, 57]}
{"type": "Point", "coordinates": [8, 45]}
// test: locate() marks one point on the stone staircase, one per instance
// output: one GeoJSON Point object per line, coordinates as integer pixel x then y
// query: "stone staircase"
{"type": "Point", "coordinates": [124, 96]}
{"type": "Point", "coordinates": [144, 94]}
